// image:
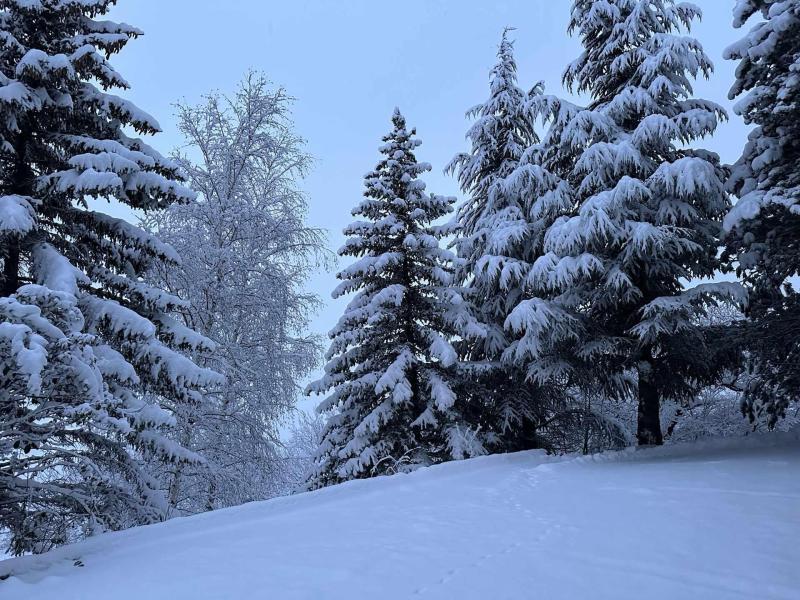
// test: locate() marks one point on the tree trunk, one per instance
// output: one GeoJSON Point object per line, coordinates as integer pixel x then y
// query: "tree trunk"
{"type": "Point", "coordinates": [212, 493]}
{"type": "Point", "coordinates": [10, 269]}
{"type": "Point", "coordinates": [175, 490]}
{"type": "Point", "coordinates": [175, 487]}
{"type": "Point", "coordinates": [648, 430]}
{"type": "Point", "coordinates": [21, 183]}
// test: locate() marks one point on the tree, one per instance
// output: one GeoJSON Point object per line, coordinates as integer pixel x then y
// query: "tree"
{"type": "Point", "coordinates": [763, 228]}
{"type": "Point", "coordinates": [300, 450]}
{"type": "Point", "coordinates": [246, 255]}
{"type": "Point", "coordinates": [640, 210]}
{"type": "Point", "coordinates": [391, 368]}
{"type": "Point", "coordinates": [83, 334]}
{"type": "Point", "coordinates": [496, 246]}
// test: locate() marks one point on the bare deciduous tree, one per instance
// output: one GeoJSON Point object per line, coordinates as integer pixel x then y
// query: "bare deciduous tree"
{"type": "Point", "coordinates": [246, 254]}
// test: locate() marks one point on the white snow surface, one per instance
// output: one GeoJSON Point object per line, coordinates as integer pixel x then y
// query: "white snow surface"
{"type": "Point", "coordinates": [716, 520]}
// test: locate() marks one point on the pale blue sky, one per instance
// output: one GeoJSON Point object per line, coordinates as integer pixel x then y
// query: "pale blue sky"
{"type": "Point", "coordinates": [349, 63]}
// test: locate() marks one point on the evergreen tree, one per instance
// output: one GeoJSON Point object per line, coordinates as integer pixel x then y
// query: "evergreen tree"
{"type": "Point", "coordinates": [640, 211]}
{"type": "Point", "coordinates": [496, 247]}
{"type": "Point", "coordinates": [763, 228]}
{"type": "Point", "coordinates": [82, 334]}
{"type": "Point", "coordinates": [391, 368]}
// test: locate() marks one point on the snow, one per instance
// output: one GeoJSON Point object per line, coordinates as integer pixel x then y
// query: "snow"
{"type": "Point", "coordinates": [54, 271]}
{"type": "Point", "coordinates": [713, 520]}
{"type": "Point", "coordinates": [28, 350]}
{"type": "Point", "coordinates": [111, 104]}
{"type": "Point", "coordinates": [119, 319]}
{"type": "Point", "coordinates": [14, 92]}
{"type": "Point", "coordinates": [16, 215]}
{"type": "Point", "coordinates": [39, 64]}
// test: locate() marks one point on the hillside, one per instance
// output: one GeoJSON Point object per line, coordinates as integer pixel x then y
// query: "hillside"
{"type": "Point", "coordinates": [716, 520]}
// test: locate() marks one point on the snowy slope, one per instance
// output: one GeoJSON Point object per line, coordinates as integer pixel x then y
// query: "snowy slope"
{"type": "Point", "coordinates": [719, 520]}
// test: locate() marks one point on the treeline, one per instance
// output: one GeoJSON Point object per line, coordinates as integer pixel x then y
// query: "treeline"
{"type": "Point", "coordinates": [581, 279]}
{"type": "Point", "coordinates": [144, 370]}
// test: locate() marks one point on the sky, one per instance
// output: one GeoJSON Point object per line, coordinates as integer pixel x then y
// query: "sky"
{"type": "Point", "coordinates": [349, 63]}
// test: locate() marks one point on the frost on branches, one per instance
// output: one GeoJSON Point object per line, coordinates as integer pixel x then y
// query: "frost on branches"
{"type": "Point", "coordinates": [637, 211]}
{"type": "Point", "coordinates": [496, 246]}
{"type": "Point", "coordinates": [391, 367]}
{"type": "Point", "coordinates": [82, 334]}
{"type": "Point", "coordinates": [763, 228]}
{"type": "Point", "coordinates": [246, 254]}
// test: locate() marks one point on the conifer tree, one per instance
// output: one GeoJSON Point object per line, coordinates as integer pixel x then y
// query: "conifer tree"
{"type": "Point", "coordinates": [640, 211]}
{"type": "Point", "coordinates": [391, 367]}
{"type": "Point", "coordinates": [763, 228]}
{"type": "Point", "coordinates": [495, 247]}
{"type": "Point", "coordinates": [82, 335]}
{"type": "Point", "coordinates": [546, 337]}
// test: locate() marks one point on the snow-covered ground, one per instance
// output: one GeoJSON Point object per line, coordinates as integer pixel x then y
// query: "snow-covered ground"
{"type": "Point", "coordinates": [715, 520]}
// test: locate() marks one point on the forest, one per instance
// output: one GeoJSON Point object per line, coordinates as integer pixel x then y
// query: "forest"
{"type": "Point", "coordinates": [602, 281]}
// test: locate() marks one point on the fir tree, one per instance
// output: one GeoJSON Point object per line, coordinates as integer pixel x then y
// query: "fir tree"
{"type": "Point", "coordinates": [83, 336]}
{"type": "Point", "coordinates": [391, 365]}
{"type": "Point", "coordinates": [495, 247]}
{"type": "Point", "coordinates": [640, 211]}
{"type": "Point", "coordinates": [763, 228]}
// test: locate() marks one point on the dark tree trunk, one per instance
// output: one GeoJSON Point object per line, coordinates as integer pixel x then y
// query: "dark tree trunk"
{"type": "Point", "coordinates": [21, 183]}
{"type": "Point", "coordinates": [10, 268]}
{"type": "Point", "coordinates": [648, 430]}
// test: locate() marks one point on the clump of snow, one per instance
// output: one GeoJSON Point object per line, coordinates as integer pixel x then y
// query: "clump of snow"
{"type": "Point", "coordinates": [17, 216]}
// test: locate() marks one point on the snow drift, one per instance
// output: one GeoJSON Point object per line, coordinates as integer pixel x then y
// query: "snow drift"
{"type": "Point", "coordinates": [712, 520]}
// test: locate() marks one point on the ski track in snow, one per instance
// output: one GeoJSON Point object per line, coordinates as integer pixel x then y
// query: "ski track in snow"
{"type": "Point", "coordinates": [716, 520]}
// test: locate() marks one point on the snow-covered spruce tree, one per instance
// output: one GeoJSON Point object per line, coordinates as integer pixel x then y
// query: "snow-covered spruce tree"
{"type": "Point", "coordinates": [82, 334]}
{"type": "Point", "coordinates": [493, 239]}
{"type": "Point", "coordinates": [763, 228]}
{"type": "Point", "coordinates": [391, 366]}
{"type": "Point", "coordinates": [642, 210]}
{"type": "Point", "coordinates": [246, 255]}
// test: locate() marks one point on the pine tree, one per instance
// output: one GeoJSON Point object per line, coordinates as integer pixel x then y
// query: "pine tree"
{"type": "Point", "coordinates": [641, 211]}
{"type": "Point", "coordinates": [496, 247]}
{"type": "Point", "coordinates": [763, 228]}
{"type": "Point", "coordinates": [83, 336]}
{"type": "Point", "coordinates": [392, 368]}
